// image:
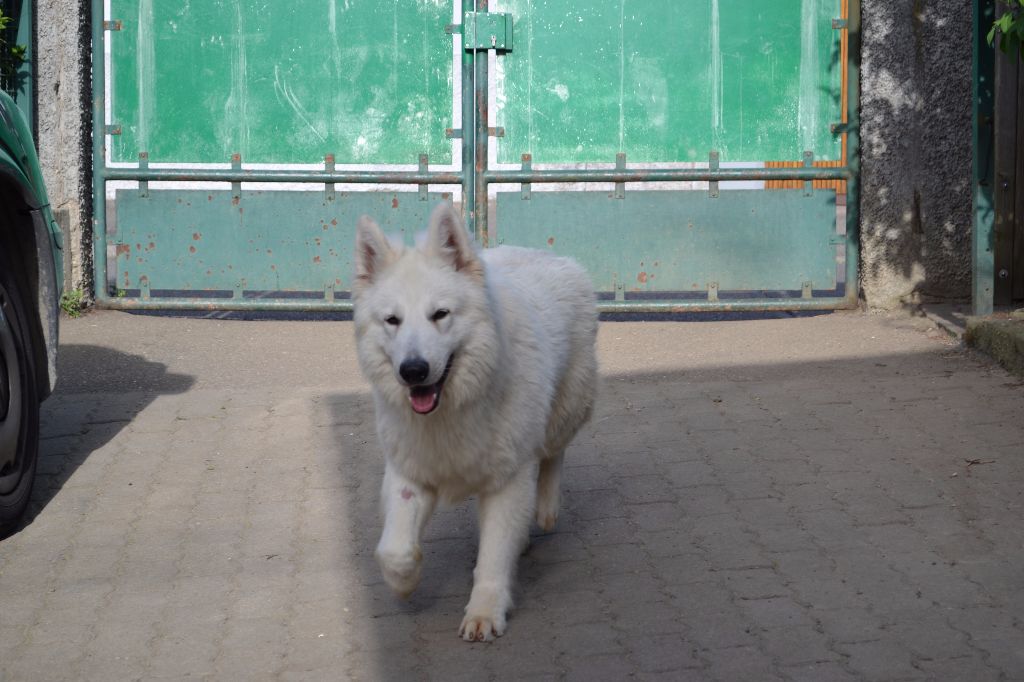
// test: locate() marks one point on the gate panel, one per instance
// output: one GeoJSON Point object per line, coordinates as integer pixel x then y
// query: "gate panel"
{"type": "Point", "coordinates": [281, 82]}
{"type": "Point", "coordinates": [187, 242]}
{"type": "Point", "coordinates": [667, 81]}
{"type": "Point", "coordinates": [683, 242]}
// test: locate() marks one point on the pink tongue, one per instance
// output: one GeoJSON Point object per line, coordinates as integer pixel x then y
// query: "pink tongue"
{"type": "Point", "coordinates": [423, 399]}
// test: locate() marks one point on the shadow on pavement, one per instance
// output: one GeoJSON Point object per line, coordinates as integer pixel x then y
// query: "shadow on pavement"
{"type": "Point", "coordinates": [709, 508]}
{"type": "Point", "coordinates": [99, 392]}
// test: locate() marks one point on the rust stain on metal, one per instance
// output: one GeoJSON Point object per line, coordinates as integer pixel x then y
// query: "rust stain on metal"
{"type": "Point", "coordinates": [235, 200]}
{"type": "Point", "coordinates": [151, 246]}
{"type": "Point", "coordinates": [316, 259]}
{"type": "Point", "coordinates": [191, 249]}
{"type": "Point", "coordinates": [127, 280]}
{"type": "Point", "coordinates": [394, 202]}
{"type": "Point", "coordinates": [196, 236]}
{"type": "Point", "coordinates": [551, 241]}
{"type": "Point", "coordinates": [209, 197]}
{"type": "Point", "coordinates": [334, 221]}
{"type": "Point", "coordinates": [123, 248]}
{"type": "Point", "coordinates": [642, 278]}
{"type": "Point", "coordinates": [273, 267]}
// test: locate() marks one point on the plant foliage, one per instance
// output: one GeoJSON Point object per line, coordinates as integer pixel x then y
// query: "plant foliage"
{"type": "Point", "coordinates": [1010, 27]}
{"type": "Point", "coordinates": [12, 56]}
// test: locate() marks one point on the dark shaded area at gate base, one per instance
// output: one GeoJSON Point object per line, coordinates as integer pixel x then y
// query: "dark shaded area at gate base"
{"type": "Point", "coordinates": [682, 296]}
{"type": "Point", "coordinates": [330, 316]}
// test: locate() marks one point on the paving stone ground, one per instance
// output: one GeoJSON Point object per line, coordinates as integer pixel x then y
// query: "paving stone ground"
{"type": "Point", "coordinates": [835, 497]}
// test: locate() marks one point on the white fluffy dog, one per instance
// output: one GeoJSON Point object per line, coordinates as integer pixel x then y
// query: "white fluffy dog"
{"type": "Point", "coordinates": [483, 369]}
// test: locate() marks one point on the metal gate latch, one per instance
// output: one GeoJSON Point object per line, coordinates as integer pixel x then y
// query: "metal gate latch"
{"type": "Point", "coordinates": [487, 31]}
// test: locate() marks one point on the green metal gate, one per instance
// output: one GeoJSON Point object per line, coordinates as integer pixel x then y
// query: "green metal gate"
{"type": "Point", "coordinates": [696, 155]}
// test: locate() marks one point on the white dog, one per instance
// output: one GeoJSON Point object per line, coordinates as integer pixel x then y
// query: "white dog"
{"type": "Point", "coordinates": [483, 369]}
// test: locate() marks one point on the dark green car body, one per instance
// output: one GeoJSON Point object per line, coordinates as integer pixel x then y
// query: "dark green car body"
{"type": "Point", "coordinates": [31, 263]}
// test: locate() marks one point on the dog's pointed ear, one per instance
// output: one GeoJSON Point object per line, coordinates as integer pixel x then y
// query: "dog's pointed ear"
{"type": "Point", "coordinates": [448, 240]}
{"type": "Point", "coordinates": [373, 252]}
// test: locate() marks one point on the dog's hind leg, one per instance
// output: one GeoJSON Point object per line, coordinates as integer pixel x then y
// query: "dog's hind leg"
{"type": "Point", "coordinates": [407, 507]}
{"type": "Point", "coordinates": [549, 492]}
{"type": "Point", "coordinates": [504, 531]}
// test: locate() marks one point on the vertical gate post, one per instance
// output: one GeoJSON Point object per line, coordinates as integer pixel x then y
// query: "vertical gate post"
{"type": "Point", "coordinates": [982, 254]}
{"type": "Point", "coordinates": [99, 189]}
{"type": "Point", "coordinates": [468, 130]}
{"type": "Point", "coordinates": [480, 137]}
{"type": "Point", "coordinates": [853, 44]}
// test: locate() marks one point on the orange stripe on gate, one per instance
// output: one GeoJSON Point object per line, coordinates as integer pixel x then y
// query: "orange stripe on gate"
{"type": "Point", "coordinates": [838, 185]}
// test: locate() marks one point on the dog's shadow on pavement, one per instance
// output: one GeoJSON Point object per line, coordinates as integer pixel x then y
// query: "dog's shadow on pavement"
{"type": "Point", "coordinates": [99, 392]}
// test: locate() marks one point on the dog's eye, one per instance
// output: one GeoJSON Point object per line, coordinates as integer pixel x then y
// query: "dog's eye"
{"type": "Point", "coordinates": [393, 320]}
{"type": "Point", "coordinates": [439, 314]}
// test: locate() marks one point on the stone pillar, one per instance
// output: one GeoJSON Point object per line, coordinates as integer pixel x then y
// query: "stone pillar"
{"type": "Point", "coordinates": [63, 127]}
{"type": "Point", "coordinates": [916, 151]}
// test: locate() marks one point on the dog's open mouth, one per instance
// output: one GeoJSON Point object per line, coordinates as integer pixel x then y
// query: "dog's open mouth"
{"type": "Point", "coordinates": [425, 399]}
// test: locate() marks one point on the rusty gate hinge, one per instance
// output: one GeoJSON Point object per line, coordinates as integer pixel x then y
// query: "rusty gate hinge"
{"type": "Point", "coordinates": [329, 186]}
{"type": "Point", "coordinates": [487, 31]}
{"type": "Point", "coordinates": [236, 186]}
{"type": "Point", "coordinates": [526, 188]}
{"type": "Point", "coordinates": [713, 184]}
{"type": "Point", "coordinates": [143, 166]}
{"type": "Point", "coordinates": [115, 25]}
{"type": "Point", "coordinates": [620, 187]}
{"type": "Point", "coordinates": [808, 163]}
{"type": "Point", "coordinates": [424, 169]}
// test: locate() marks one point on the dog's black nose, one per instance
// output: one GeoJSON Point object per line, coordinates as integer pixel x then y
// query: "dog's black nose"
{"type": "Point", "coordinates": [414, 370]}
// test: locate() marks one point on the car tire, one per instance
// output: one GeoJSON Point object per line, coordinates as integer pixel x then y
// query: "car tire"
{"type": "Point", "coordinates": [19, 401]}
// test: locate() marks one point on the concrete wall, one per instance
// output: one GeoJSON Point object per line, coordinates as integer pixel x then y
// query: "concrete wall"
{"type": "Point", "coordinates": [915, 131]}
{"type": "Point", "coordinates": [916, 151]}
{"type": "Point", "coordinates": [63, 127]}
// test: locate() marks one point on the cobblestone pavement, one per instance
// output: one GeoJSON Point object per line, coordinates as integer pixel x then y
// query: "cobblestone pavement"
{"type": "Point", "coordinates": [824, 498]}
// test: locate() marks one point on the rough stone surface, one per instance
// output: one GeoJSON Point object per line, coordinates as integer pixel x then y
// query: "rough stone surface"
{"type": "Point", "coordinates": [64, 119]}
{"type": "Point", "coordinates": [834, 497]}
{"type": "Point", "coordinates": [1002, 339]}
{"type": "Point", "coordinates": [916, 152]}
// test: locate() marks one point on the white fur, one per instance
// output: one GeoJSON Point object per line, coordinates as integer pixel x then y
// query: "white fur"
{"type": "Point", "coordinates": [521, 326]}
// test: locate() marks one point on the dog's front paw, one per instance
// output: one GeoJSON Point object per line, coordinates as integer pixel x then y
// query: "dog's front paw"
{"type": "Point", "coordinates": [485, 614]}
{"type": "Point", "coordinates": [481, 628]}
{"type": "Point", "coordinates": [401, 569]}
